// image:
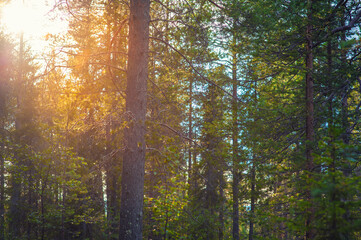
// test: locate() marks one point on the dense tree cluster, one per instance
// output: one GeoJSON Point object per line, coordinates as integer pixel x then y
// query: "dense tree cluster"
{"type": "Point", "coordinates": [184, 119]}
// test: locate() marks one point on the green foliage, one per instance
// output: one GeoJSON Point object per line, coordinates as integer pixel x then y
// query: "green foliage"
{"type": "Point", "coordinates": [61, 130]}
{"type": "Point", "coordinates": [168, 210]}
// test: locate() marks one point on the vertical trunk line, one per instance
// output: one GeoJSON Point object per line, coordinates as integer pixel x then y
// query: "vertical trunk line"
{"type": "Point", "coordinates": [15, 219]}
{"type": "Point", "coordinates": [190, 134]}
{"type": "Point", "coordinates": [132, 184]}
{"type": "Point", "coordinates": [235, 161]}
{"type": "Point", "coordinates": [253, 188]}
{"type": "Point", "coordinates": [310, 233]}
{"type": "Point", "coordinates": [2, 186]}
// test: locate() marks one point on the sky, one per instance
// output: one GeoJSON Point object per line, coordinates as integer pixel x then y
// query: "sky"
{"type": "Point", "coordinates": [35, 18]}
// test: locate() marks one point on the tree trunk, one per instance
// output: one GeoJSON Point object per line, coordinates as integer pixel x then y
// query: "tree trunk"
{"type": "Point", "coordinates": [253, 196]}
{"type": "Point", "coordinates": [15, 213]}
{"type": "Point", "coordinates": [111, 182]}
{"type": "Point", "coordinates": [2, 154]}
{"type": "Point", "coordinates": [310, 233]}
{"type": "Point", "coordinates": [132, 185]}
{"type": "Point", "coordinates": [2, 189]}
{"type": "Point", "coordinates": [235, 161]}
{"type": "Point", "coordinates": [190, 134]}
{"type": "Point", "coordinates": [221, 206]}
{"type": "Point", "coordinates": [253, 167]}
{"type": "Point", "coordinates": [29, 225]}
{"type": "Point", "coordinates": [347, 169]}
{"type": "Point", "coordinates": [212, 165]}
{"type": "Point", "coordinates": [344, 110]}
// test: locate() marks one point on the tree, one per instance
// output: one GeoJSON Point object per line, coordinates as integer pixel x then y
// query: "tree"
{"type": "Point", "coordinates": [251, 129]}
{"type": "Point", "coordinates": [5, 75]}
{"type": "Point", "coordinates": [131, 208]}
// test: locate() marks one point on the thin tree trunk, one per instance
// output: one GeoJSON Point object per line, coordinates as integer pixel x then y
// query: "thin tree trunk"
{"type": "Point", "coordinates": [42, 213]}
{"type": "Point", "coordinates": [15, 213]}
{"type": "Point", "coordinates": [212, 163]}
{"type": "Point", "coordinates": [344, 110]}
{"type": "Point", "coordinates": [221, 206]}
{"type": "Point", "coordinates": [111, 182]}
{"type": "Point", "coordinates": [190, 133]}
{"type": "Point", "coordinates": [63, 230]}
{"type": "Point", "coordinates": [30, 201]}
{"type": "Point", "coordinates": [310, 233]}
{"type": "Point", "coordinates": [253, 196]}
{"type": "Point", "coordinates": [2, 190]}
{"type": "Point", "coordinates": [333, 227]}
{"type": "Point", "coordinates": [132, 186]}
{"type": "Point", "coordinates": [235, 160]}
{"type": "Point", "coordinates": [253, 171]}
{"type": "Point", "coordinates": [112, 162]}
{"type": "Point", "coordinates": [347, 169]}
{"type": "Point", "coordinates": [2, 152]}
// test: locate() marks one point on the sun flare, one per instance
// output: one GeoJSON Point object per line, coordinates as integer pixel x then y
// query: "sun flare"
{"type": "Point", "coordinates": [34, 18]}
{"type": "Point", "coordinates": [19, 16]}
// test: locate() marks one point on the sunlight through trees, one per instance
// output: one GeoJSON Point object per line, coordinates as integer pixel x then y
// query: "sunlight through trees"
{"type": "Point", "coordinates": [180, 119]}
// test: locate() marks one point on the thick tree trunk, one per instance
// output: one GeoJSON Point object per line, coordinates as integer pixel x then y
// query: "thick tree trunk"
{"type": "Point", "coordinates": [132, 185]}
{"type": "Point", "coordinates": [211, 195]}
{"type": "Point", "coordinates": [212, 166]}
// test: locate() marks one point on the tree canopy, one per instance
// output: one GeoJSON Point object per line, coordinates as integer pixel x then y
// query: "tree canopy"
{"type": "Point", "coordinates": [180, 119]}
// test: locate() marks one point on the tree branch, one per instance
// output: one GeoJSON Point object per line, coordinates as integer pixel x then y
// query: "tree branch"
{"type": "Point", "coordinates": [340, 29]}
{"type": "Point", "coordinates": [215, 4]}
{"type": "Point", "coordinates": [349, 26]}
{"type": "Point", "coordinates": [196, 71]}
{"type": "Point", "coordinates": [179, 134]}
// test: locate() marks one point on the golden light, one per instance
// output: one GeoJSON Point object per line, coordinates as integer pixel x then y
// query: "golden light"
{"type": "Point", "coordinates": [34, 18]}
{"type": "Point", "coordinates": [19, 16]}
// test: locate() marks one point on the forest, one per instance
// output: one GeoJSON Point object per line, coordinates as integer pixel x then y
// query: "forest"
{"type": "Point", "coordinates": [180, 119]}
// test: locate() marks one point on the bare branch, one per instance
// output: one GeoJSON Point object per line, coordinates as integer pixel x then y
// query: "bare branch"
{"type": "Point", "coordinates": [349, 26]}
{"type": "Point", "coordinates": [179, 134]}
{"type": "Point", "coordinates": [108, 65]}
{"type": "Point", "coordinates": [215, 4]}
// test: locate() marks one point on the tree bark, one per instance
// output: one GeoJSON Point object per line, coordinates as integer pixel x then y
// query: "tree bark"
{"type": "Point", "coordinates": [221, 206]}
{"type": "Point", "coordinates": [132, 185]}
{"type": "Point", "coordinates": [253, 167]}
{"type": "Point", "coordinates": [235, 161]}
{"type": "Point", "coordinates": [347, 169]}
{"type": "Point", "coordinates": [253, 199]}
{"type": "Point", "coordinates": [190, 134]}
{"type": "Point", "coordinates": [310, 233]}
{"type": "Point", "coordinates": [211, 165]}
